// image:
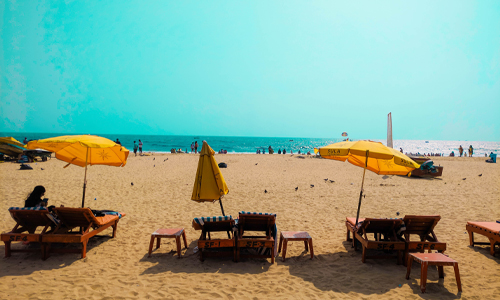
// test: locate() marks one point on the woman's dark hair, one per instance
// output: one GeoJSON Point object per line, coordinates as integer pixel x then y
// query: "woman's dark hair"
{"type": "Point", "coordinates": [35, 197]}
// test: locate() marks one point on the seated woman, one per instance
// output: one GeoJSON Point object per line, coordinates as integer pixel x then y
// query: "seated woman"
{"type": "Point", "coordinates": [35, 198]}
{"type": "Point", "coordinates": [493, 158]}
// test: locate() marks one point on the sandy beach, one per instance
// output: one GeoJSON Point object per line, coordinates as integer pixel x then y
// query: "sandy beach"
{"type": "Point", "coordinates": [160, 198]}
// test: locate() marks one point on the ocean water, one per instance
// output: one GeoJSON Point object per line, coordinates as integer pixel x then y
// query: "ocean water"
{"type": "Point", "coordinates": [163, 143]}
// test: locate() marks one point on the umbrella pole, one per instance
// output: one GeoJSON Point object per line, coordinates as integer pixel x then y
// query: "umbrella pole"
{"type": "Point", "coordinates": [362, 183]}
{"type": "Point", "coordinates": [85, 179]}
{"type": "Point", "coordinates": [222, 208]}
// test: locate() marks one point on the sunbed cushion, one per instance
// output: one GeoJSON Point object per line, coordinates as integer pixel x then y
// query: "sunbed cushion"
{"type": "Point", "coordinates": [106, 219]}
{"type": "Point", "coordinates": [490, 226]}
{"type": "Point", "coordinates": [200, 221]}
{"type": "Point", "coordinates": [27, 208]}
{"type": "Point", "coordinates": [352, 221]}
{"type": "Point", "coordinates": [256, 213]}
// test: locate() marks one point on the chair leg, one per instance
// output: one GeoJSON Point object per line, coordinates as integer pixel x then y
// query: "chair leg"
{"type": "Point", "coordinates": [348, 237]}
{"type": "Point", "coordinates": [457, 276]}
{"type": "Point", "coordinates": [272, 253]}
{"type": "Point", "coordinates": [471, 238]}
{"type": "Point", "coordinates": [7, 249]}
{"type": "Point", "coordinates": [151, 243]}
{"type": "Point", "coordinates": [47, 251]}
{"type": "Point", "coordinates": [408, 268]}
{"type": "Point", "coordinates": [178, 243]}
{"type": "Point", "coordinates": [158, 242]}
{"type": "Point", "coordinates": [285, 244]}
{"type": "Point", "coordinates": [84, 248]}
{"type": "Point", "coordinates": [363, 257]}
{"type": "Point", "coordinates": [281, 243]}
{"type": "Point", "coordinates": [423, 276]}
{"type": "Point", "coordinates": [184, 238]}
{"type": "Point", "coordinates": [492, 246]}
{"type": "Point", "coordinates": [305, 244]}
{"type": "Point", "coordinates": [311, 247]}
{"type": "Point", "coordinates": [114, 229]}
{"type": "Point", "coordinates": [441, 271]}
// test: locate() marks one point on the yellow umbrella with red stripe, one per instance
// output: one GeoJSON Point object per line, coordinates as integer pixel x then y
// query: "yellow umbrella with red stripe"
{"type": "Point", "coordinates": [370, 155]}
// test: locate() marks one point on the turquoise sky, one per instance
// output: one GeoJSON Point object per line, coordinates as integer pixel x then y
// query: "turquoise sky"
{"type": "Point", "coordinates": [253, 68]}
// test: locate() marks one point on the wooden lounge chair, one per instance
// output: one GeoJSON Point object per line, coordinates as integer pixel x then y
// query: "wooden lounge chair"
{"type": "Point", "coordinates": [384, 236]}
{"type": "Point", "coordinates": [88, 225]}
{"type": "Point", "coordinates": [423, 226]}
{"type": "Point", "coordinates": [28, 219]}
{"type": "Point", "coordinates": [209, 247]}
{"type": "Point", "coordinates": [264, 245]}
{"type": "Point", "coordinates": [491, 230]}
{"type": "Point", "coordinates": [351, 228]}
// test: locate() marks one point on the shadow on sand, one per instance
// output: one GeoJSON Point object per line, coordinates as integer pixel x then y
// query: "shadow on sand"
{"type": "Point", "coordinates": [26, 263]}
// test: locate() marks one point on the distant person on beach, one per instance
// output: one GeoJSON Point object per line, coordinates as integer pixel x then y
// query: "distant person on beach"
{"type": "Point", "coordinates": [400, 149]}
{"type": "Point", "coordinates": [135, 148]}
{"type": "Point", "coordinates": [299, 151]}
{"type": "Point", "coordinates": [460, 150]}
{"type": "Point", "coordinates": [279, 151]}
{"type": "Point", "coordinates": [284, 151]}
{"type": "Point", "coordinates": [471, 151]}
{"type": "Point", "coordinates": [118, 142]}
{"type": "Point", "coordinates": [493, 158]}
{"type": "Point", "coordinates": [452, 153]}
{"type": "Point", "coordinates": [192, 147]}
{"type": "Point", "coordinates": [140, 147]}
{"type": "Point", "coordinates": [35, 198]}
{"type": "Point", "coordinates": [196, 147]}
{"type": "Point", "coordinates": [263, 151]}
{"type": "Point", "coordinates": [25, 140]}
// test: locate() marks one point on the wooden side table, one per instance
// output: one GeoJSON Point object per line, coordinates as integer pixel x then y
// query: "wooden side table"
{"type": "Point", "coordinates": [286, 236]}
{"type": "Point", "coordinates": [168, 233]}
{"type": "Point", "coordinates": [436, 259]}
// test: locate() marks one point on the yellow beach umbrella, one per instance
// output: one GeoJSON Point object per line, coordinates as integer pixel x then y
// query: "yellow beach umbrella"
{"type": "Point", "coordinates": [209, 184]}
{"type": "Point", "coordinates": [11, 146]}
{"type": "Point", "coordinates": [84, 150]}
{"type": "Point", "coordinates": [373, 156]}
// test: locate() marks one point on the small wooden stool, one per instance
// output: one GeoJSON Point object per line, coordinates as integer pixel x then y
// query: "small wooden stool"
{"type": "Point", "coordinates": [286, 236]}
{"type": "Point", "coordinates": [436, 259]}
{"type": "Point", "coordinates": [168, 233]}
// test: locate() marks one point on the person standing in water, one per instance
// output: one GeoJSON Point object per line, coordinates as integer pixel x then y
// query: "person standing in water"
{"type": "Point", "coordinates": [135, 148]}
{"type": "Point", "coordinates": [471, 151]}
{"type": "Point", "coordinates": [196, 147]}
{"type": "Point", "coordinates": [460, 150]}
{"type": "Point", "coordinates": [140, 147]}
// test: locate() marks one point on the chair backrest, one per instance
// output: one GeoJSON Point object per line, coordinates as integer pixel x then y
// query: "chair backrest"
{"type": "Point", "coordinates": [379, 225]}
{"type": "Point", "coordinates": [211, 224]}
{"type": "Point", "coordinates": [75, 217]}
{"type": "Point", "coordinates": [421, 225]}
{"type": "Point", "coordinates": [31, 216]}
{"type": "Point", "coordinates": [256, 221]}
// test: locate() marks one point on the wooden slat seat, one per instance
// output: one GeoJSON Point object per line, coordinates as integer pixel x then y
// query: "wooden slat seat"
{"type": "Point", "coordinates": [28, 220]}
{"type": "Point", "coordinates": [256, 222]}
{"type": "Point", "coordinates": [209, 247]}
{"type": "Point", "coordinates": [88, 225]}
{"type": "Point", "coordinates": [491, 230]}
{"type": "Point", "coordinates": [384, 237]}
{"type": "Point", "coordinates": [423, 227]}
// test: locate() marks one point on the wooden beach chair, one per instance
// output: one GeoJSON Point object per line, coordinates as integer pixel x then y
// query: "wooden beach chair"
{"type": "Point", "coordinates": [384, 237]}
{"type": "Point", "coordinates": [88, 225]}
{"type": "Point", "coordinates": [491, 230]}
{"type": "Point", "coordinates": [263, 245]}
{"type": "Point", "coordinates": [423, 226]}
{"type": "Point", "coordinates": [351, 228]}
{"type": "Point", "coordinates": [209, 247]}
{"type": "Point", "coordinates": [28, 220]}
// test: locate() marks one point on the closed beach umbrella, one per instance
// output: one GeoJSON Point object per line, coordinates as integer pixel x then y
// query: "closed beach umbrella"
{"type": "Point", "coordinates": [84, 150]}
{"type": "Point", "coordinates": [11, 146]}
{"type": "Point", "coordinates": [209, 184]}
{"type": "Point", "coordinates": [373, 156]}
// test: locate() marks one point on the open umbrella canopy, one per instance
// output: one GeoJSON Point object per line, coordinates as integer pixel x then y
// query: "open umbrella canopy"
{"type": "Point", "coordinates": [373, 156]}
{"type": "Point", "coordinates": [381, 159]}
{"type": "Point", "coordinates": [209, 184]}
{"type": "Point", "coordinates": [83, 150]}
